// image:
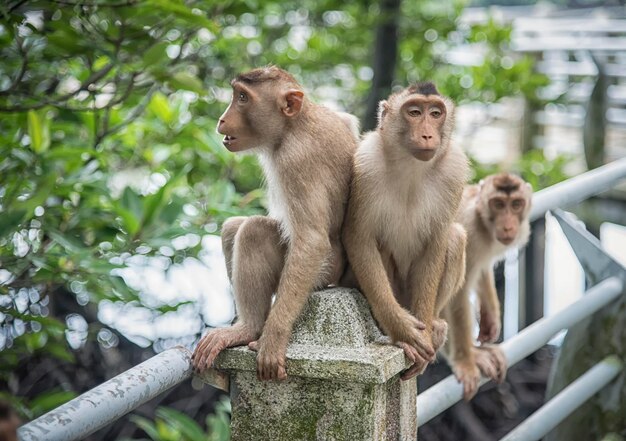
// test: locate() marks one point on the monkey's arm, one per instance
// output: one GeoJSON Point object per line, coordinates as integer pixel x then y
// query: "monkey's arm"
{"type": "Point", "coordinates": [490, 324]}
{"type": "Point", "coordinates": [458, 314]}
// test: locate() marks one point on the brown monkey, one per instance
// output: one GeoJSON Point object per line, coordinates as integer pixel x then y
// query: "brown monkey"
{"type": "Point", "coordinates": [306, 152]}
{"type": "Point", "coordinates": [403, 246]}
{"type": "Point", "coordinates": [495, 215]}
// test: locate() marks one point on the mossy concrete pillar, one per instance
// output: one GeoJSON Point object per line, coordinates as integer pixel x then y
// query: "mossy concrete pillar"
{"type": "Point", "coordinates": [343, 380]}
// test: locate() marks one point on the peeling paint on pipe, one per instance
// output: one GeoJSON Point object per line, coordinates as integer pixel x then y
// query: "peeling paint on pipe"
{"type": "Point", "coordinates": [106, 403]}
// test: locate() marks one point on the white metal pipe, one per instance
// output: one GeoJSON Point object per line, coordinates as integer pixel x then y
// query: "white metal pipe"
{"type": "Point", "coordinates": [548, 416]}
{"type": "Point", "coordinates": [104, 404]}
{"type": "Point", "coordinates": [449, 391]}
{"type": "Point", "coordinates": [578, 188]}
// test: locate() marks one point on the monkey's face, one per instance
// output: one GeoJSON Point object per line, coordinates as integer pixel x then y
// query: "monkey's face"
{"type": "Point", "coordinates": [507, 214]}
{"type": "Point", "coordinates": [507, 202]}
{"type": "Point", "coordinates": [257, 115]}
{"type": "Point", "coordinates": [416, 123]}
{"type": "Point", "coordinates": [237, 122]}
{"type": "Point", "coordinates": [423, 117]}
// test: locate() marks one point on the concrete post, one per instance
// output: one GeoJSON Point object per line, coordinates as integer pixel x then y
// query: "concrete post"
{"type": "Point", "coordinates": [343, 380]}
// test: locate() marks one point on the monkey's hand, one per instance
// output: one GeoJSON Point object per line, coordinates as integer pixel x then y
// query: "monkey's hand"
{"type": "Point", "coordinates": [491, 362]}
{"type": "Point", "coordinates": [404, 327]}
{"type": "Point", "coordinates": [467, 372]}
{"type": "Point", "coordinates": [490, 326]}
{"type": "Point", "coordinates": [216, 341]}
{"type": "Point", "coordinates": [270, 359]}
{"type": "Point", "coordinates": [419, 364]}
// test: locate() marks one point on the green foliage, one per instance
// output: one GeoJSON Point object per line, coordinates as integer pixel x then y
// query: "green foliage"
{"type": "Point", "coordinates": [533, 166]}
{"type": "Point", "coordinates": [171, 425]}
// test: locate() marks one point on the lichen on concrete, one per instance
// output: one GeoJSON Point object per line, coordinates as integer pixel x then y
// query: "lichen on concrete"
{"type": "Point", "coordinates": [343, 383]}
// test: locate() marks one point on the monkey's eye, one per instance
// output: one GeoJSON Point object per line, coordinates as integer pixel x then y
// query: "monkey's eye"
{"type": "Point", "coordinates": [413, 111]}
{"type": "Point", "coordinates": [498, 204]}
{"type": "Point", "coordinates": [435, 113]}
{"type": "Point", "coordinates": [517, 204]}
{"type": "Point", "coordinates": [243, 98]}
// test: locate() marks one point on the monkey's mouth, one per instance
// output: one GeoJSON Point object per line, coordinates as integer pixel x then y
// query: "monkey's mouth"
{"type": "Point", "coordinates": [423, 154]}
{"type": "Point", "coordinates": [228, 140]}
{"type": "Point", "coordinates": [506, 240]}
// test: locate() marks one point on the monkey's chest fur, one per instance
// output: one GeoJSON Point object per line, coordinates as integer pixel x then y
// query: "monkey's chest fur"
{"type": "Point", "coordinates": [407, 219]}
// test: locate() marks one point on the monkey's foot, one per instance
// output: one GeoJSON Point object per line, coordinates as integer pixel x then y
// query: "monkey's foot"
{"type": "Point", "coordinates": [216, 341]}
{"type": "Point", "coordinates": [467, 373]}
{"type": "Point", "coordinates": [270, 364]}
{"type": "Point", "coordinates": [491, 362]}
{"type": "Point", "coordinates": [489, 327]}
{"type": "Point", "coordinates": [440, 333]}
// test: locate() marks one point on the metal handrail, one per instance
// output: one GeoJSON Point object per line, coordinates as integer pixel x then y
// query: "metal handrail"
{"type": "Point", "coordinates": [449, 391]}
{"type": "Point", "coordinates": [548, 416]}
{"type": "Point", "coordinates": [578, 188]}
{"type": "Point", "coordinates": [104, 404]}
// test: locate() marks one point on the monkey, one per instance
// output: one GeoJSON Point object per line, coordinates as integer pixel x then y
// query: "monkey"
{"type": "Point", "coordinates": [495, 214]}
{"type": "Point", "coordinates": [404, 248]}
{"type": "Point", "coordinates": [305, 151]}
{"type": "Point", "coordinates": [9, 422]}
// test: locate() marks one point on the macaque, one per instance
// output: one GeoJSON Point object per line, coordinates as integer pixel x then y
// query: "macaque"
{"type": "Point", "coordinates": [495, 215]}
{"type": "Point", "coordinates": [306, 153]}
{"type": "Point", "coordinates": [406, 251]}
{"type": "Point", "coordinates": [9, 422]}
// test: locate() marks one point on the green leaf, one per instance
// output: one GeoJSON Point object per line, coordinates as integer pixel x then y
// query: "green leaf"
{"type": "Point", "coordinates": [155, 55]}
{"type": "Point", "coordinates": [184, 424]}
{"type": "Point", "coordinates": [161, 107]}
{"type": "Point", "coordinates": [156, 202]}
{"type": "Point", "coordinates": [38, 131]}
{"type": "Point", "coordinates": [147, 426]}
{"type": "Point", "coordinates": [10, 222]}
{"type": "Point", "coordinates": [186, 81]}
{"type": "Point", "coordinates": [47, 401]}
{"type": "Point", "coordinates": [131, 201]}
{"type": "Point", "coordinates": [70, 244]}
{"type": "Point", "coordinates": [170, 308]}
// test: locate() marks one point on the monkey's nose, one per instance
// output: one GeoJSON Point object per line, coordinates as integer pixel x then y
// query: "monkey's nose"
{"type": "Point", "coordinates": [427, 137]}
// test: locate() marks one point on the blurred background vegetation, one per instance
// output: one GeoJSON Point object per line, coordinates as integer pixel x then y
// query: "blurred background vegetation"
{"type": "Point", "coordinates": [109, 157]}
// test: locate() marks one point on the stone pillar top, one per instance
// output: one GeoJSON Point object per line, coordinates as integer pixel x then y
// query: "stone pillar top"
{"type": "Point", "coordinates": [335, 338]}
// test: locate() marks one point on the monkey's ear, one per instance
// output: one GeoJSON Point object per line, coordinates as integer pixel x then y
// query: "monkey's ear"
{"type": "Point", "coordinates": [292, 102]}
{"type": "Point", "coordinates": [383, 108]}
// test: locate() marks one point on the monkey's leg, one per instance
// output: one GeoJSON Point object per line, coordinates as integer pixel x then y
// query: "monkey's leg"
{"type": "Point", "coordinates": [490, 324]}
{"type": "Point", "coordinates": [256, 263]}
{"type": "Point", "coordinates": [308, 251]}
{"type": "Point", "coordinates": [462, 359]}
{"type": "Point", "coordinates": [451, 282]}
{"type": "Point", "coordinates": [229, 230]}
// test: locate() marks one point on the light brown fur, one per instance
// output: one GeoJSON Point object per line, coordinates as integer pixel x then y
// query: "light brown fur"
{"type": "Point", "coordinates": [306, 152]}
{"type": "Point", "coordinates": [403, 246]}
{"type": "Point", "coordinates": [490, 233]}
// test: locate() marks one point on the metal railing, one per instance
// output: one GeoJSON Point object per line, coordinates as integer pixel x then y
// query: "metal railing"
{"type": "Point", "coordinates": [104, 404]}
{"type": "Point", "coordinates": [612, 281]}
